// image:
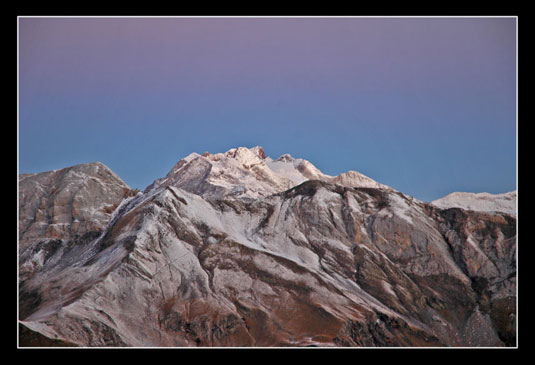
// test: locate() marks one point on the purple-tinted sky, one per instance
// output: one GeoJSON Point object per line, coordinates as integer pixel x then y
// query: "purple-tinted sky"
{"type": "Point", "coordinates": [425, 105]}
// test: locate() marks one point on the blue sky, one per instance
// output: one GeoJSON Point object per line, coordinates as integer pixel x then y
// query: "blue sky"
{"type": "Point", "coordinates": [425, 105]}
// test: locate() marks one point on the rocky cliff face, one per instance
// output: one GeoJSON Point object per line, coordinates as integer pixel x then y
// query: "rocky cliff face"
{"type": "Point", "coordinates": [59, 211]}
{"type": "Point", "coordinates": [67, 202]}
{"type": "Point", "coordinates": [237, 249]}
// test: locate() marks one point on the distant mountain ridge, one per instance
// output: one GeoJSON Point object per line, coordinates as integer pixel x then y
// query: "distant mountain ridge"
{"type": "Point", "coordinates": [483, 202]}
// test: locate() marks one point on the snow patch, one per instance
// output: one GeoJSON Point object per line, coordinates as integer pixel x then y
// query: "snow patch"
{"type": "Point", "coordinates": [483, 202]}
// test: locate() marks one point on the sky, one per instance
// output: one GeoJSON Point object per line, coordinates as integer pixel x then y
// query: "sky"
{"type": "Point", "coordinates": [426, 105]}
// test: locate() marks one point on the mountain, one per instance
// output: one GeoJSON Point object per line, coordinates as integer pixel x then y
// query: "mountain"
{"type": "Point", "coordinates": [248, 174]}
{"type": "Point", "coordinates": [237, 249]}
{"type": "Point", "coordinates": [483, 202]}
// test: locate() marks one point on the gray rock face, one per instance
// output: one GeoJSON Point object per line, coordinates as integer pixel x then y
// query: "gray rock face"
{"type": "Point", "coordinates": [59, 211]}
{"type": "Point", "coordinates": [67, 202]}
{"type": "Point", "coordinates": [318, 264]}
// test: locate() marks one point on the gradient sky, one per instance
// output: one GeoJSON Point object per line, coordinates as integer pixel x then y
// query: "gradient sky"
{"type": "Point", "coordinates": [425, 105]}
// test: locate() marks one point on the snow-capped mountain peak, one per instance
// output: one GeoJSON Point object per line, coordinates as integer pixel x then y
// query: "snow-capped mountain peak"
{"type": "Point", "coordinates": [248, 173]}
{"type": "Point", "coordinates": [286, 158]}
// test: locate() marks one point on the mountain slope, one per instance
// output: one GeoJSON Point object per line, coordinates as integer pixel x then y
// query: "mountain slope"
{"type": "Point", "coordinates": [315, 264]}
{"type": "Point", "coordinates": [61, 210]}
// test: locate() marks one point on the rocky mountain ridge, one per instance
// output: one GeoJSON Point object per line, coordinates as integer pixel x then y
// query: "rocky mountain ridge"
{"type": "Point", "coordinates": [238, 249]}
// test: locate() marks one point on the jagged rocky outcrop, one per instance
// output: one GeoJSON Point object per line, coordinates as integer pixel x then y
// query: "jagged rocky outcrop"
{"type": "Point", "coordinates": [237, 249]}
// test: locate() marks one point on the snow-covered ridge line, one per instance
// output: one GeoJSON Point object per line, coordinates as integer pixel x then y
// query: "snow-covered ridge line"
{"type": "Point", "coordinates": [249, 174]}
{"type": "Point", "coordinates": [484, 202]}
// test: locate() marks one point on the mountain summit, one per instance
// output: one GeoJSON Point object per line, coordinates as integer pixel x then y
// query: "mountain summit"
{"type": "Point", "coordinates": [248, 173]}
{"type": "Point", "coordinates": [237, 249]}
